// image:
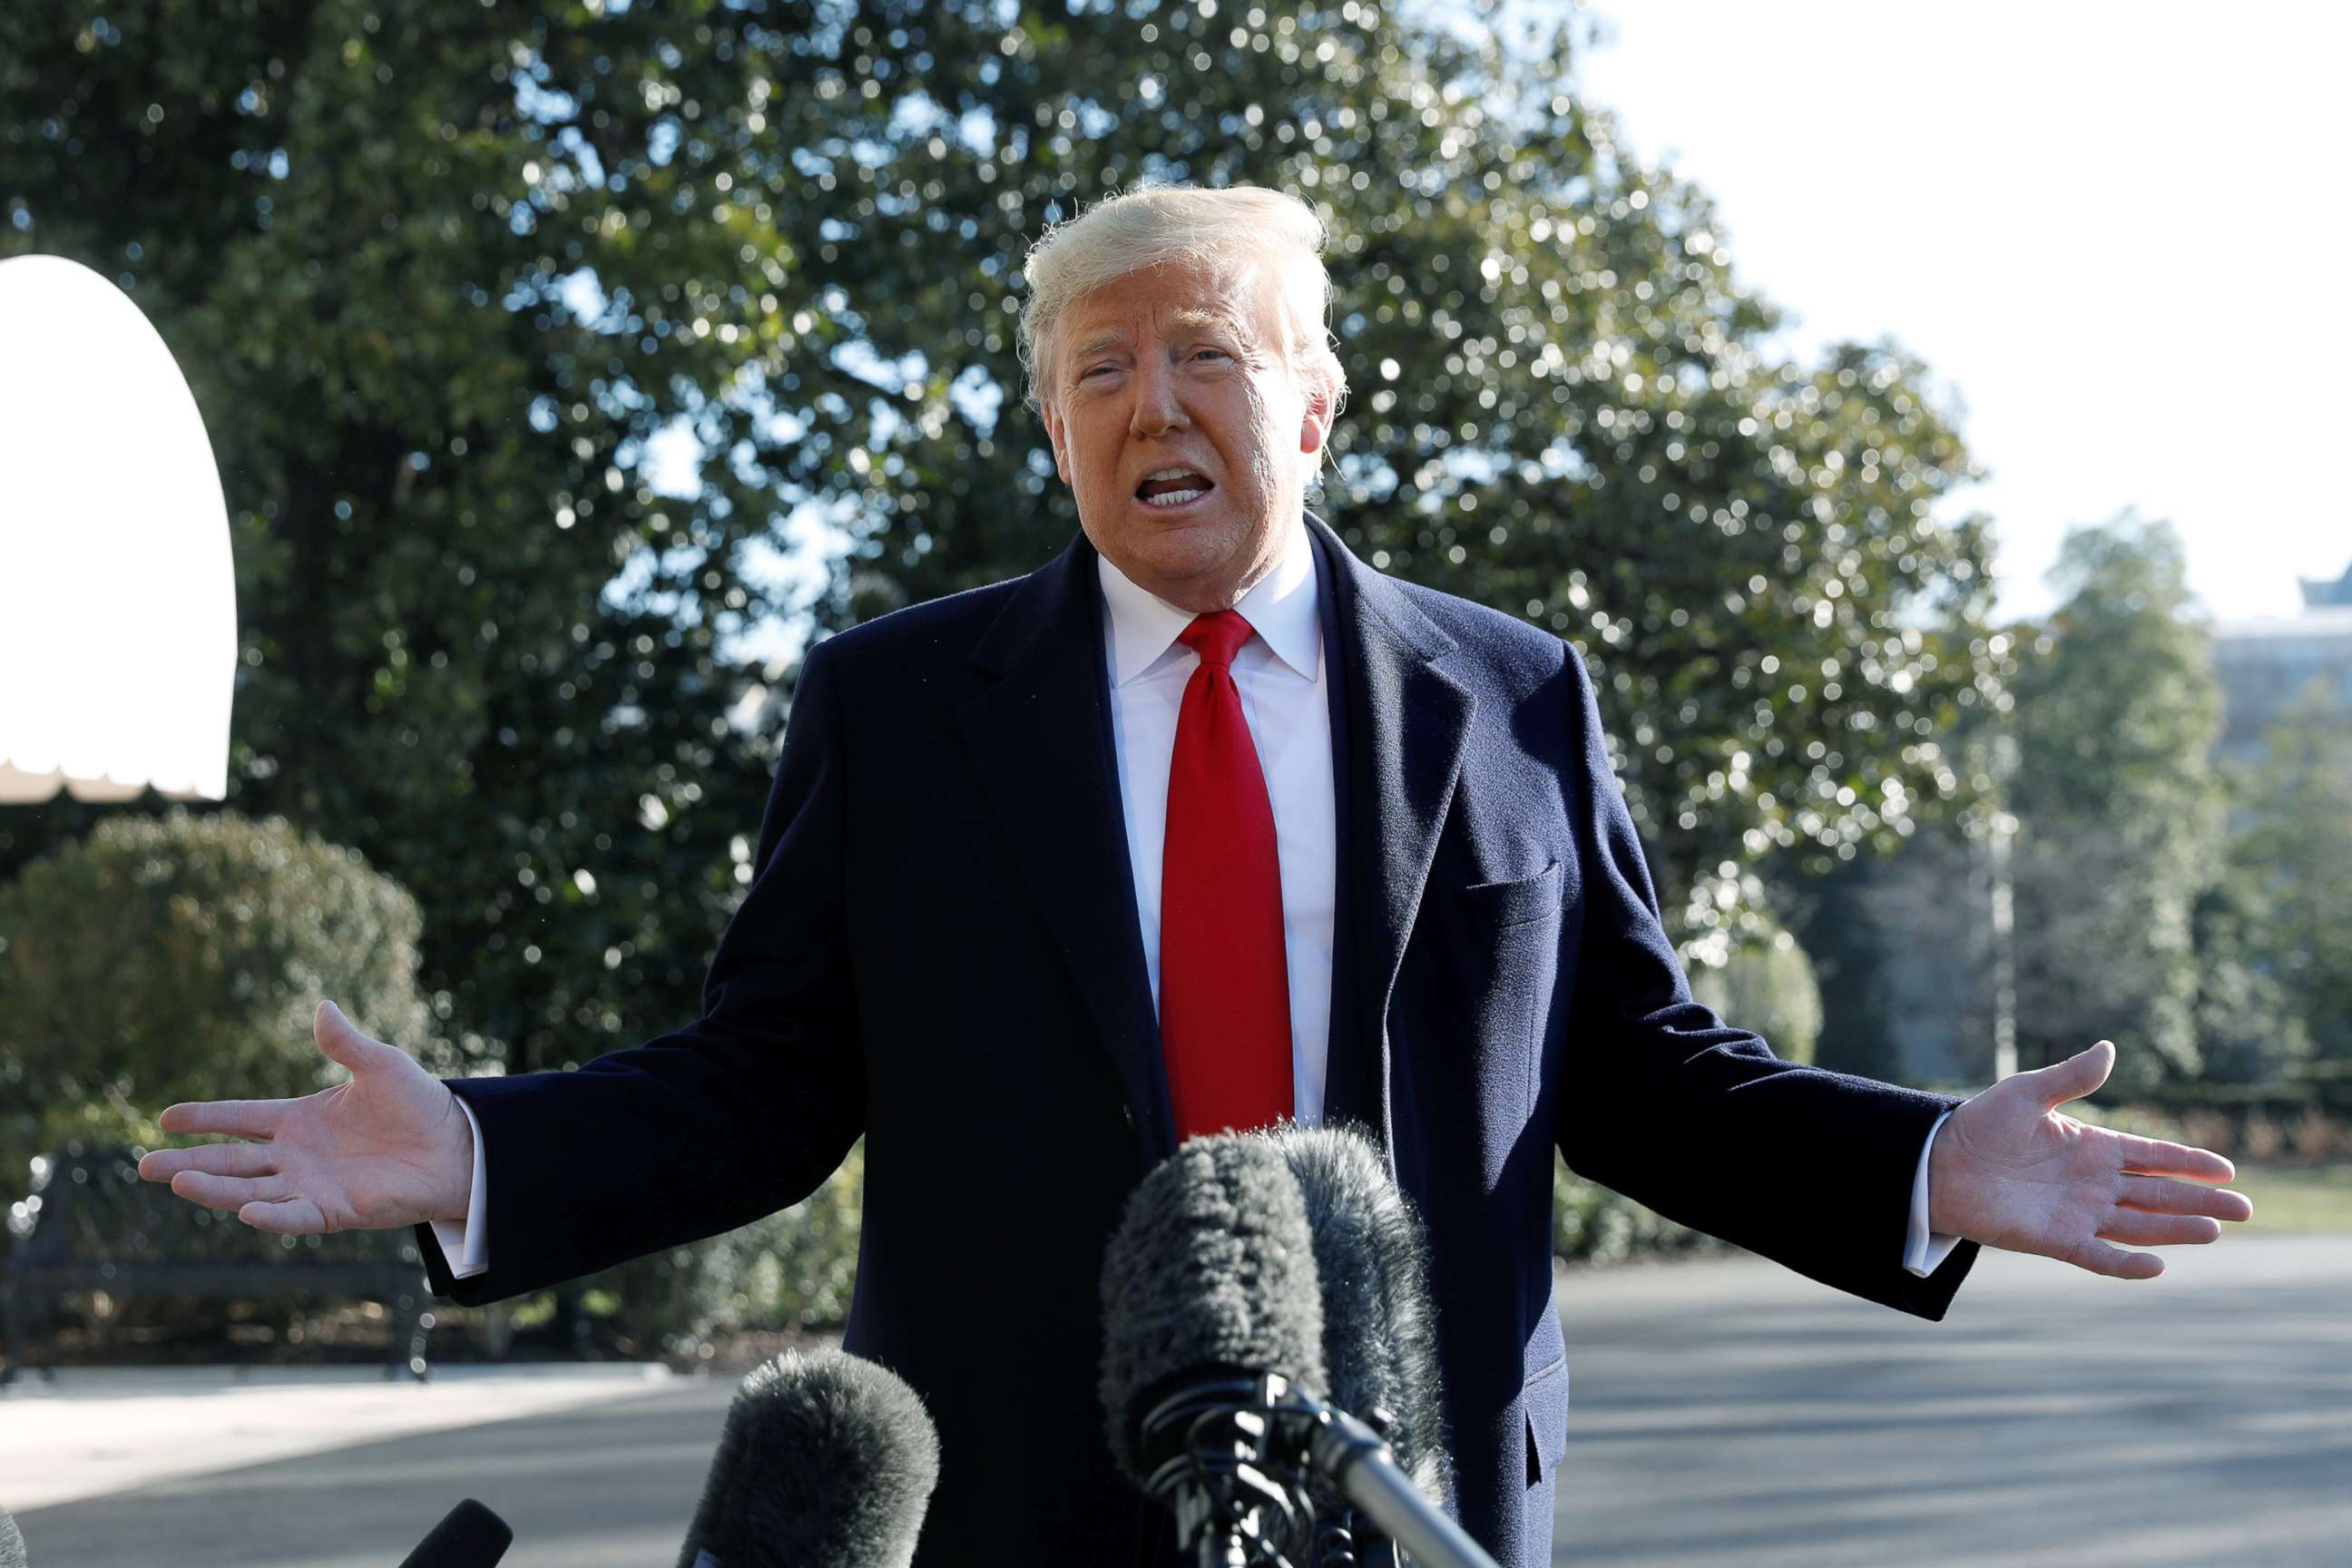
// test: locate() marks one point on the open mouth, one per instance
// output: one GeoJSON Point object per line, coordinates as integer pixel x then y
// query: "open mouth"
{"type": "Point", "coordinates": [1166, 490]}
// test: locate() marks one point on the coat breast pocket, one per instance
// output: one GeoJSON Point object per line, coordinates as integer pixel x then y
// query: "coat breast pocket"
{"type": "Point", "coordinates": [1494, 904]}
{"type": "Point", "coordinates": [1506, 956]}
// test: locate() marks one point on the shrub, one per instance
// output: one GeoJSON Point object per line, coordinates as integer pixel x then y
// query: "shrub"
{"type": "Point", "coordinates": [181, 957]}
{"type": "Point", "coordinates": [790, 1272]}
{"type": "Point", "coordinates": [1766, 986]}
{"type": "Point", "coordinates": [1593, 1225]}
{"type": "Point", "coordinates": [2317, 1137]}
{"type": "Point", "coordinates": [2255, 1130]}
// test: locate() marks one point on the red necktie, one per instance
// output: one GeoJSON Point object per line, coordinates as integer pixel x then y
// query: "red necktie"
{"type": "Point", "coordinates": [1224, 986]}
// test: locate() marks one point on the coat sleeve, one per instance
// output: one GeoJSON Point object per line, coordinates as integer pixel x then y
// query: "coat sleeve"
{"type": "Point", "coordinates": [1669, 1105]}
{"type": "Point", "coordinates": [707, 1127]}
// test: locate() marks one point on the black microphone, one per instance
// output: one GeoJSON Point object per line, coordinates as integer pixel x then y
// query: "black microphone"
{"type": "Point", "coordinates": [826, 1461]}
{"type": "Point", "coordinates": [1208, 1284]}
{"type": "Point", "coordinates": [1213, 1369]}
{"type": "Point", "coordinates": [468, 1536]}
{"type": "Point", "coordinates": [12, 1545]}
{"type": "Point", "coordinates": [1380, 1320]}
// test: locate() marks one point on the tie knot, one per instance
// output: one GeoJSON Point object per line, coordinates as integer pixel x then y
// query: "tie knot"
{"type": "Point", "coordinates": [1216, 637]}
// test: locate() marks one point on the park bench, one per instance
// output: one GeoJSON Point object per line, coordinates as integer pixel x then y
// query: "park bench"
{"type": "Point", "coordinates": [91, 1225]}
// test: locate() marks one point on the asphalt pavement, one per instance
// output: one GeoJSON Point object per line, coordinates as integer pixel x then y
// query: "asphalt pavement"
{"type": "Point", "coordinates": [94, 1432]}
{"type": "Point", "coordinates": [1724, 1412]}
{"type": "Point", "coordinates": [610, 1485]}
{"type": "Point", "coordinates": [1732, 1413]}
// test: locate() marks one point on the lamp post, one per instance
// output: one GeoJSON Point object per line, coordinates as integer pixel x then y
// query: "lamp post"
{"type": "Point", "coordinates": [117, 597]}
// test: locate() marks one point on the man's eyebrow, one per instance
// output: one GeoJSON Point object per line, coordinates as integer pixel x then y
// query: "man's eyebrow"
{"type": "Point", "coordinates": [1109, 338]}
{"type": "Point", "coordinates": [1192, 318]}
{"type": "Point", "coordinates": [1197, 319]}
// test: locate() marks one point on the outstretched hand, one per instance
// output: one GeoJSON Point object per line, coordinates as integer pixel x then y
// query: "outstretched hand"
{"type": "Point", "coordinates": [388, 1148]}
{"type": "Point", "coordinates": [2009, 1170]}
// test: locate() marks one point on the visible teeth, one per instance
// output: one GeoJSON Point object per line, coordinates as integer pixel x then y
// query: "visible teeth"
{"type": "Point", "coordinates": [1167, 474]}
{"type": "Point", "coordinates": [1174, 498]}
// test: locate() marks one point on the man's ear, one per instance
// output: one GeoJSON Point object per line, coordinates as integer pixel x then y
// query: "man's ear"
{"type": "Point", "coordinates": [1055, 434]}
{"type": "Point", "coordinates": [1315, 425]}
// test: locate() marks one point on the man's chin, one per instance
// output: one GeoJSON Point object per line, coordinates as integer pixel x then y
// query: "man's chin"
{"type": "Point", "coordinates": [1188, 563]}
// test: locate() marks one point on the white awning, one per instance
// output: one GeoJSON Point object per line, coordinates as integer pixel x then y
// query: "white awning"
{"type": "Point", "coordinates": [117, 597]}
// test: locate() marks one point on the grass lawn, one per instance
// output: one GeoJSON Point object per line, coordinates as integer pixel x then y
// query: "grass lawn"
{"type": "Point", "coordinates": [2306, 1198]}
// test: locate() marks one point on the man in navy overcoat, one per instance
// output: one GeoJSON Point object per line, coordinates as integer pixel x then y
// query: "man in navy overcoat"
{"type": "Point", "coordinates": [957, 945]}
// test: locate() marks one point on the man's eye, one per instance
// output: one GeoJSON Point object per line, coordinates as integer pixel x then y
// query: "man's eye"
{"type": "Point", "coordinates": [1219, 352]}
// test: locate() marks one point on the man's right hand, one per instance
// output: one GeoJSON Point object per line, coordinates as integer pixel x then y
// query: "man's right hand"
{"type": "Point", "coordinates": [389, 1148]}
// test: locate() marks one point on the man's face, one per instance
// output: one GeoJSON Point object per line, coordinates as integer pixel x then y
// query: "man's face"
{"type": "Point", "coordinates": [1177, 424]}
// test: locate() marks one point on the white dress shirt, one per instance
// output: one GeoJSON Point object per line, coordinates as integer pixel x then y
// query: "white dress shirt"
{"type": "Point", "coordinates": [1280, 675]}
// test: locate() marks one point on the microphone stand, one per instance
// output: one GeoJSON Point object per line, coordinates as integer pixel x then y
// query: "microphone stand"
{"type": "Point", "coordinates": [1241, 1457]}
{"type": "Point", "coordinates": [1208, 1459]}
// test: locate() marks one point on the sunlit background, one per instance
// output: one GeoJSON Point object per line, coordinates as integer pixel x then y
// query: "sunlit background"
{"type": "Point", "coordinates": [2114, 231]}
{"type": "Point", "coordinates": [1919, 418]}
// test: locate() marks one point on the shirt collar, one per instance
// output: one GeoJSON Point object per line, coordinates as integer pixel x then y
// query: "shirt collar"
{"type": "Point", "coordinates": [1281, 609]}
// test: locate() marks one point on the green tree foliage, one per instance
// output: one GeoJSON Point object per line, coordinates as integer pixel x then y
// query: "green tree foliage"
{"type": "Point", "coordinates": [1853, 952]}
{"type": "Point", "coordinates": [445, 281]}
{"type": "Point", "coordinates": [165, 957]}
{"type": "Point", "coordinates": [441, 277]}
{"type": "Point", "coordinates": [2293, 860]}
{"type": "Point", "coordinates": [1562, 406]}
{"type": "Point", "coordinates": [476, 644]}
{"type": "Point", "coordinates": [2119, 805]}
{"type": "Point", "coordinates": [2251, 1026]}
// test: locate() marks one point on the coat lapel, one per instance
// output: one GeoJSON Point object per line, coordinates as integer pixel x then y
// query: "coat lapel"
{"type": "Point", "coordinates": [1039, 729]}
{"type": "Point", "coordinates": [1406, 725]}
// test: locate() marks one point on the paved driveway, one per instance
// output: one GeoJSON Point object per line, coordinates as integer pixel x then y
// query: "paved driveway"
{"type": "Point", "coordinates": [1730, 1413]}
{"type": "Point", "coordinates": [98, 1431]}
{"type": "Point", "coordinates": [1724, 1413]}
{"type": "Point", "coordinates": [606, 1486]}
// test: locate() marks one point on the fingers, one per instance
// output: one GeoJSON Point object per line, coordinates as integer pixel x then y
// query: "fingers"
{"type": "Point", "coordinates": [336, 1035]}
{"type": "Point", "coordinates": [2154, 1157]}
{"type": "Point", "coordinates": [212, 1159]}
{"type": "Point", "coordinates": [2077, 1076]}
{"type": "Point", "coordinates": [341, 1038]}
{"type": "Point", "coordinates": [2136, 1228]}
{"type": "Point", "coordinates": [2114, 1262]}
{"type": "Point", "coordinates": [285, 1216]}
{"type": "Point", "coordinates": [226, 1192]}
{"type": "Point", "coordinates": [233, 1118]}
{"type": "Point", "coordinates": [2157, 1194]}
{"type": "Point", "coordinates": [260, 1198]}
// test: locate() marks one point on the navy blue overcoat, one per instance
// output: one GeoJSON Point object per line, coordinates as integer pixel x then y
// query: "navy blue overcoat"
{"type": "Point", "coordinates": [940, 950]}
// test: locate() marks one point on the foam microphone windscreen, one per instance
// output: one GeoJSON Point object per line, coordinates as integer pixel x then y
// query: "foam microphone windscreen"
{"type": "Point", "coordinates": [826, 1461]}
{"type": "Point", "coordinates": [468, 1536]}
{"type": "Point", "coordinates": [1212, 1269]}
{"type": "Point", "coordinates": [1379, 1320]}
{"type": "Point", "coordinates": [12, 1545]}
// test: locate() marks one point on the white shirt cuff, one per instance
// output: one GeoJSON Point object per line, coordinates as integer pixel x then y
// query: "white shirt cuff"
{"type": "Point", "coordinates": [1924, 1252]}
{"type": "Point", "coordinates": [466, 1245]}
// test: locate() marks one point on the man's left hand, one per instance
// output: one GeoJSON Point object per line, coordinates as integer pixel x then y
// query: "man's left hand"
{"type": "Point", "coordinates": [2007, 1170]}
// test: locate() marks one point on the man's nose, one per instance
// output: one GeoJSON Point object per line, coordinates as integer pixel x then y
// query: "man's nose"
{"type": "Point", "coordinates": [1157, 405]}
